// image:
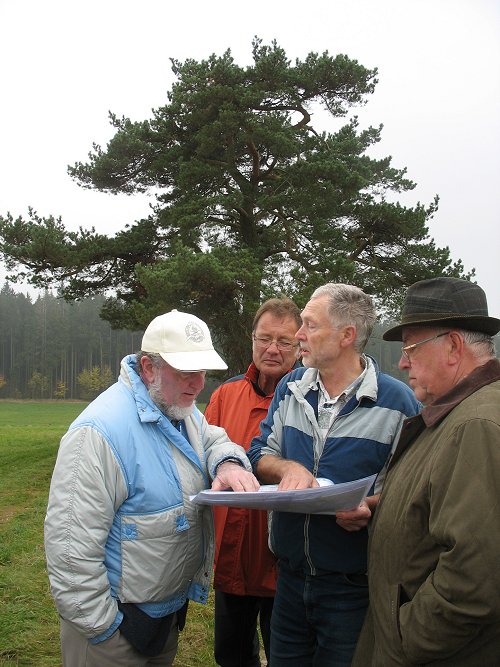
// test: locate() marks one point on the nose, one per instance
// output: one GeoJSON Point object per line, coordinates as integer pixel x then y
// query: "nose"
{"type": "Point", "coordinates": [403, 364]}
{"type": "Point", "coordinates": [300, 333]}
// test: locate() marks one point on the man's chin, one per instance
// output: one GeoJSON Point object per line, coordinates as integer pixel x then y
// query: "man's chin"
{"type": "Point", "coordinates": [177, 412]}
{"type": "Point", "coordinates": [273, 368]}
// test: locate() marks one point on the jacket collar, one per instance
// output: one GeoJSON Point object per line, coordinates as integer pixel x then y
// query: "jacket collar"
{"type": "Point", "coordinates": [367, 389]}
{"type": "Point", "coordinates": [252, 376]}
{"type": "Point", "coordinates": [146, 409]}
{"type": "Point", "coordinates": [148, 412]}
{"type": "Point", "coordinates": [131, 378]}
{"type": "Point", "coordinates": [480, 377]}
{"type": "Point", "coordinates": [433, 414]}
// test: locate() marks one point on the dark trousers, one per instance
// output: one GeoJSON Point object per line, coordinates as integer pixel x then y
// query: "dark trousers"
{"type": "Point", "coordinates": [317, 619]}
{"type": "Point", "coordinates": [236, 639]}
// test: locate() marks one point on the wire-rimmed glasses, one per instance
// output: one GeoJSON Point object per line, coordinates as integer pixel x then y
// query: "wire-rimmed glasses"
{"type": "Point", "coordinates": [406, 349]}
{"type": "Point", "coordinates": [282, 345]}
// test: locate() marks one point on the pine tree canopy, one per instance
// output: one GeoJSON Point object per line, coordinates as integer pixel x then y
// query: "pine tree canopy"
{"type": "Point", "coordinates": [252, 199]}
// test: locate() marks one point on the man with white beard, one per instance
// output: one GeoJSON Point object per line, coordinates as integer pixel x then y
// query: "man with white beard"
{"type": "Point", "coordinates": [126, 548]}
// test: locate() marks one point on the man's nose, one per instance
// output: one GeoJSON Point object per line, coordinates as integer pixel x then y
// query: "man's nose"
{"type": "Point", "coordinates": [300, 333]}
{"type": "Point", "coordinates": [403, 364]}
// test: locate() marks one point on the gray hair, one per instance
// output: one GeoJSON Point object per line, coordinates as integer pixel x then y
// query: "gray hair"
{"type": "Point", "coordinates": [156, 359]}
{"type": "Point", "coordinates": [481, 344]}
{"type": "Point", "coordinates": [348, 305]}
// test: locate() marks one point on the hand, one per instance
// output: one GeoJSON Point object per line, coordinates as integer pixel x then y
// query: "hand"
{"type": "Point", "coordinates": [356, 519]}
{"type": "Point", "coordinates": [231, 475]}
{"type": "Point", "coordinates": [296, 477]}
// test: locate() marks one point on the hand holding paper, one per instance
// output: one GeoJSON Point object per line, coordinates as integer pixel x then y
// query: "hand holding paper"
{"type": "Point", "coordinates": [355, 519]}
{"type": "Point", "coordinates": [327, 498]}
{"type": "Point", "coordinates": [233, 476]}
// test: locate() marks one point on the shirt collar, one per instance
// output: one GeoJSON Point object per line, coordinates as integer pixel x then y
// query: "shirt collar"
{"type": "Point", "coordinates": [316, 383]}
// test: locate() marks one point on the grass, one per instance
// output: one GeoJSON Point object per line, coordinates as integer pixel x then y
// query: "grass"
{"type": "Point", "coordinates": [29, 629]}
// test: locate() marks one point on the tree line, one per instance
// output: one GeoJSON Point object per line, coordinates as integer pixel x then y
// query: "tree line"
{"type": "Point", "coordinates": [50, 348]}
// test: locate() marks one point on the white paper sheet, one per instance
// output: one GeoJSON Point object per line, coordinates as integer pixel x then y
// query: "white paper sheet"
{"type": "Point", "coordinates": [328, 498]}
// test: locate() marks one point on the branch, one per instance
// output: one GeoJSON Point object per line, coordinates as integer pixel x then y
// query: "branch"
{"type": "Point", "coordinates": [255, 161]}
{"type": "Point", "coordinates": [306, 117]}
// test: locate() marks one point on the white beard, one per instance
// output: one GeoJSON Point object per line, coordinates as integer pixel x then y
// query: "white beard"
{"type": "Point", "coordinates": [171, 411]}
{"type": "Point", "coordinates": [175, 412]}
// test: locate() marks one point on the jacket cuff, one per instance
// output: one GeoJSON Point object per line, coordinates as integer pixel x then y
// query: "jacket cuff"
{"type": "Point", "coordinates": [245, 464]}
{"type": "Point", "coordinates": [112, 628]}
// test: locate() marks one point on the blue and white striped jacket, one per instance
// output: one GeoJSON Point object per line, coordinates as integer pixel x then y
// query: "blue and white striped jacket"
{"type": "Point", "coordinates": [359, 444]}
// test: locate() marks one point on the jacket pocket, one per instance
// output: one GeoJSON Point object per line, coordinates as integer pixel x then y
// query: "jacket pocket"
{"type": "Point", "coordinates": [387, 648]}
{"type": "Point", "coordinates": [401, 598]}
{"type": "Point", "coordinates": [160, 553]}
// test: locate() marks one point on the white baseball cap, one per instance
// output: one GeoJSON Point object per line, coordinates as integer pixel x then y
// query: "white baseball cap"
{"type": "Point", "coordinates": [183, 341]}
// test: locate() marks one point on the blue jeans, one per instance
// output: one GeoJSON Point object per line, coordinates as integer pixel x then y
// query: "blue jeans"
{"type": "Point", "coordinates": [316, 620]}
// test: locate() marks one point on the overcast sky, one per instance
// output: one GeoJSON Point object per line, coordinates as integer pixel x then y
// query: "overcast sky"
{"type": "Point", "coordinates": [65, 63]}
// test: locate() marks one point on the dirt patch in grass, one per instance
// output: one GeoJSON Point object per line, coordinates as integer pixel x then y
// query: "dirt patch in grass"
{"type": "Point", "coordinates": [7, 513]}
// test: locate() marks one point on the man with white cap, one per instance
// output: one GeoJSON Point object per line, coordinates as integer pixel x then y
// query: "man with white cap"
{"type": "Point", "coordinates": [126, 548]}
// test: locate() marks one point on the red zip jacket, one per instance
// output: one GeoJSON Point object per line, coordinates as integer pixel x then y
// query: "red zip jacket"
{"type": "Point", "coordinates": [244, 565]}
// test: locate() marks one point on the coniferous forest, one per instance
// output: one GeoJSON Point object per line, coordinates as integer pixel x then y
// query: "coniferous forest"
{"type": "Point", "coordinates": [53, 349]}
{"type": "Point", "coordinates": [50, 348]}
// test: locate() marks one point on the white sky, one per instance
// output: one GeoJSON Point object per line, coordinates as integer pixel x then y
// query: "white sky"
{"type": "Point", "coordinates": [65, 63]}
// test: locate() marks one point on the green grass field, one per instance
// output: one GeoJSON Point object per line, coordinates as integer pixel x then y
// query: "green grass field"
{"type": "Point", "coordinates": [29, 630]}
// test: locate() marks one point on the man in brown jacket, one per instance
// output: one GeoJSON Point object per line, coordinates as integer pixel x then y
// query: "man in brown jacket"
{"type": "Point", "coordinates": [434, 552]}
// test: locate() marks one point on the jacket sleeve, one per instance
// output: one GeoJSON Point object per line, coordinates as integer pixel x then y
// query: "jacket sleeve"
{"type": "Point", "coordinates": [86, 490]}
{"type": "Point", "coordinates": [219, 448]}
{"type": "Point", "coordinates": [271, 428]}
{"type": "Point", "coordinates": [461, 594]}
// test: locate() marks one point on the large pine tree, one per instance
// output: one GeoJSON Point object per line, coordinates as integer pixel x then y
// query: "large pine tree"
{"type": "Point", "coordinates": [252, 200]}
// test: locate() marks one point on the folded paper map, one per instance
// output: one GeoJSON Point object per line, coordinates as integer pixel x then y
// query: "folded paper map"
{"type": "Point", "coordinates": [328, 498]}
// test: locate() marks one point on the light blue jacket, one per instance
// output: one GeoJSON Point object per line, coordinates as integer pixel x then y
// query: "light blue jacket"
{"type": "Point", "coordinates": [119, 521]}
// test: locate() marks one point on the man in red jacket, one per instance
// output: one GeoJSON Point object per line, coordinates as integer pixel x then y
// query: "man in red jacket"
{"type": "Point", "coordinates": [245, 569]}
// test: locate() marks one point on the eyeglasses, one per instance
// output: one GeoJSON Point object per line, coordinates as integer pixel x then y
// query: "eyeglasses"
{"type": "Point", "coordinates": [405, 351]}
{"type": "Point", "coordinates": [283, 345]}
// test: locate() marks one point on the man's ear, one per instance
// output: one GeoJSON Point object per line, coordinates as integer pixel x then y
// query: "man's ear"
{"type": "Point", "coordinates": [348, 335]}
{"type": "Point", "coordinates": [456, 346]}
{"type": "Point", "coordinates": [147, 370]}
